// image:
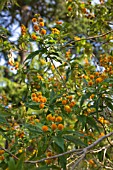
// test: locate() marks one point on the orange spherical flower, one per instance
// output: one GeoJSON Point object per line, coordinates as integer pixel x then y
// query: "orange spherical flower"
{"type": "Point", "coordinates": [41, 24]}
{"type": "Point", "coordinates": [58, 22]}
{"type": "Point", "coordinates": [23, 29]}
{"type": "Point", "coordinates": [49, 117]}
{"type": "Point", "coordinates": [64, 102]}
{"type": "Point", "coordinates": [72, 104]}
{"type": "Point", "coordinates": [34, 37]}
{"type": "Point", "coordinates": [36, 28]}
{"type": "Point", "coordinates": [101, 134]}
{"type": "Point", "coordinates": [49, 161]}
{"type": "Point", "coordinates": [92, 96]}
{"type": "Point", "coordinates": [33, 95]}
{"type": "Point", "coordinates": [60, 126]}
{"type": "Point", "coordinates": [53, 126]}
{"type": "Point", "coordinates": [2, 158]}
{"type": "Point", "coordinates": [91, 76]}
{"type": "Point", "coordinates": [37, 120]}
{"type": "Point", "coordinates": [34, 99]}
{"type": "Point", "coordinates": [41, 106]}
{"type": "Point", "coordinates": [43, 31]}
{"type": "Point", "coordinates": [37, 99]}
{"type": "Point", "coordinates": [91, 162]}
{"type": "Point", "coordinates": [69, 8]}
{"type": "Point", "coordinates": [97, 73]}
{"type": "Point", "coordinates": [2, 152]}
{"type": "Point", "coordinates": [53, 118]}
{"type": "Point", "coordinates": [45, 128]}
{"type": "Point", "coordinates": [43, 100]}
{"type": "Point", "coordinates": [34, 20]}
{"type": "Point", "coordinates": [58, 119]}
{"type": "Point", "coordinates": [39, 77]}
{"type": "Point", "coordinates": [101, 119]}
{"type": "Point", "coordinates": [40, 19]}
{"type": "Point", "coordinates": [70, 97]}
{"type": "Point", "coordinates": [67, 108]}
{"type": "Point", "coordinates": [111, 72]}
{"type": "Point", "coordinates": [49, 154]}
{"type": "Point", "coordinates": [90, 83]}
{"type": "Point", "coordinates": [99, 80]}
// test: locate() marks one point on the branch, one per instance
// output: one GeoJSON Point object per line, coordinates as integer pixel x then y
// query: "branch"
{"type": "Point", "coordinates": [9, 153]}
{"type": "Point", "coordinates": [89, 38]}
{"type": "Point", "coordinates": [57, 71]}
{"type": "Point", "coordinates": [83, 151]}
{"type": "Point", "coordinates": [78, 151]}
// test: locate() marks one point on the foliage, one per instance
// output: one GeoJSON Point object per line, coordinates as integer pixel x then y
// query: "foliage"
{"type": "Point", "coordinates": [58, 102]}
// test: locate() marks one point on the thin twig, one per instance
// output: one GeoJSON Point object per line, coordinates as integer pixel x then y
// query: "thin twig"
{"type": "Point", "coordinates": [58, 72]}
{"type": "Point", "coordinates": [89, 38]}
{"type": "Point", "coordinates": [9, 153]}
{"type": "Point", "coordinates": [78, 151]}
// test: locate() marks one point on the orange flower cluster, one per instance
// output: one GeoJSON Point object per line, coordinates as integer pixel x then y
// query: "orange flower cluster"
{"type": "Point", "coordinates": [49, 154]}
{"type": "Point", "coordinates": [37, 97]}
{"type": "Point", "coordinates": [45, 128]}
{"type": "Point", "coordinates": [69, 8]}
{"type": "Point", "coordinates": [55, 31]}
{"type": "Point", "coordinates": [59, 22]}
{"type": "Point", "coordinates": [34, 37]}
{"type": "Point", "coordinates": [2, 152]}
{"type": "Point", "coordinates": [23, 29]}
{"type": "Point", "coordinates": [102, 120]}
{"type": "Point", "coordinates": [54, 126]}
{"type": "Point", "coordinates": [67, 108]}
{"type": "Point", "coordinates": [68, 103]}
{"type": "Point", "coordinates": [33, 120]}
{"type": "Point", "coordinates": [38, 24]}
{"type": "Point", "coordinates": [56, 119]}
{"type": "Point", "coordinates": [43, 32]}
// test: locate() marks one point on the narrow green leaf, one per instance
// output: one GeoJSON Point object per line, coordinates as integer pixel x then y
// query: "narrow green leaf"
{"type": "Point", "coordinates": [74, 140]}
{"type": "Point", "coordinates": [84, 97]}
{"type": "Point", "coordinates": [19, 165]}
{"type": "Point", "coordinates": [59, 141]}
{"type": "Point", "coordinates": [11, 164]}
{"type": "Point", "coordinates": [62, 161]}
{"type": "Point", "coordinates": [33, 54]}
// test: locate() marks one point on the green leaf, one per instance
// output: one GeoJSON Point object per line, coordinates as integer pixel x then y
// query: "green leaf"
{"type": "Point", "coordinates": [2, 4]}
{"type": "Point", "coordinates": [84, 97]}
{"type": "Point", "coordinates": [109, 105]}
{"type": "Point", "coordinates": [62, 161]}
{"type": "Point", "coordinates": [33, 54]}
{"type": "Point", "coordinates": [92, 122]}
{"type": "Point", "coordinates": [19, 165]}
{"type": "Point", "coordinates": [42, 168]}
{"type": "Point", "coordinates": [59, 141]}
{"type": "Point", "coordinates": [74, 140]}
{"type": "Point", "coordinates": [32, 105]}
{"type": "Point", "coordinates": [11, 164]}
{"type": "Point", "coordinates": [2, 119]}
{"type": "Point", "coordinates": [82, 119]}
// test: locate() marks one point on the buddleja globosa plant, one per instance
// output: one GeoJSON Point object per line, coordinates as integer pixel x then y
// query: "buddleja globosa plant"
{"type": "Point", "coordinates": [56, 110]}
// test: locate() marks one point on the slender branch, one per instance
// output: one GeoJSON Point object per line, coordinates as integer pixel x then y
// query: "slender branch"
{"type": "Point", "coordinates": [89, 38]}
{"type": "Point", "coordinates": [79, 160]}
{"type": "Point", "coordinates": [83, 151]}
{"type": "Point", "coordinates": [78, 151]}
{"type": "Point", "coordinates": [57, 71]}
{"type": "Point", "coordinates": [9, 153]}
